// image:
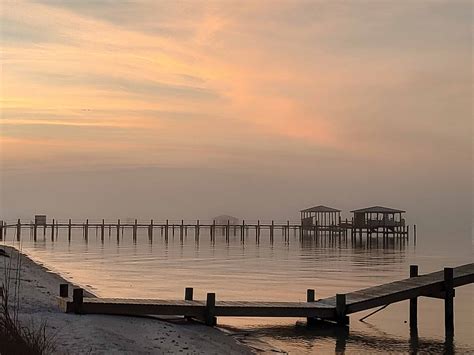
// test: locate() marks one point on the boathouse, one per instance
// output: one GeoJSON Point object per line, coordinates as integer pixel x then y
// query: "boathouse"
{"type": "Point", "coordinates": [40, 219]}
{"type": "Point", "coordinates": [224, 219]}
{"type": "Point", "coordinates": [321, 216]}
{"type": "Point", "coordinates": [373, 218]}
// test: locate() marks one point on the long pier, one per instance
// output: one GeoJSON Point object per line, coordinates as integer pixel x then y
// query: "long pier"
{"type": "Point", "coordinates": [168, 227]}
{"type": "Point", "coordinates": [440, 284]}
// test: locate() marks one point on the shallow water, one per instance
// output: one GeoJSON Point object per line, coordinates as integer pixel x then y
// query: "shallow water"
{"type": "Point", "coordinates": [281, 270]}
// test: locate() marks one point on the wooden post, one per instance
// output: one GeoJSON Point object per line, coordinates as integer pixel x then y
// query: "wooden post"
{"type": "Point", "coordinates": [150, 233]}
{"type": "Point", "coordinates": [414, 234]}
{"type": "Point", "coordinates": [18, 230]}
{"type": "Point", "coordinates": [197, 229]}
{"type": "Point", "coordinates": [448, 301]}
{"type": "Point", "coordinates": [272, 228]}
{"type": "Point", "coordinates": [86, 229]}
{"type": "Point", "coordinates": [341, 317]}
{"type": "Point", "coordinates": [77, 300]}
{"type": "Point", "coordinates": [310, 297]}
{"type": "Point", "coordinates": [52, 231]}
{"type": "Point", "coordinates": [135, 230]}
{"type": "Point", "coordinates": [181, 230]}
{"type": "Point", "coordinates": [413, 301]}
{"type": "Point", "coordinates": [227, 231]}
{"type": "Point", "coordinates": [188, 293]}
{"type": "Point", "coordinates": [35, 231]}
{"type": "Point", "coordinates": [213, 230]}
{"type": "Point", "coordinates": [102, 229]}
{"type": "Point", "coordinates": [118, 229]}
{"type": "Point", "coordinates": [210, 319]}
{"type": "Point", "coordinates": [69, 227]}
{"type": "Point", "coordinates": [258, 231]}
{"type": "Point", "coordinates": [63, 290]}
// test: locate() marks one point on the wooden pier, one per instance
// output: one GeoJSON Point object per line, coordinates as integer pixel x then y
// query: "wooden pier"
{"type": "Point", "coordinates": [167, 228]}
{"type": "Point", "coordinates": [336, 309]}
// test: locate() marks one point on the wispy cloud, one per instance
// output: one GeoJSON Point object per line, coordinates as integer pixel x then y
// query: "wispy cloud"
{"type": "Point", "coordinates": [334, 79]}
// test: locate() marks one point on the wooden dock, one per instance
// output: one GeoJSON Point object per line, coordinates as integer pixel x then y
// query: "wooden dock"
{"type": "Point", "coordinates": [169, 228]}
{"type": "Point", "coordinates": [336, 309]}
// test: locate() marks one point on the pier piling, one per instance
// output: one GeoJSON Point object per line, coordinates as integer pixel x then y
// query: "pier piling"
{"type": "Point", "coordinates": [449, 301]}
{"type": "Point", "coordinates": [210, 319]}
{"type": "Point", "coordinates": [413, 301]}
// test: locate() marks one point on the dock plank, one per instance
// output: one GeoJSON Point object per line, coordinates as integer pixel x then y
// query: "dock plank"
{"type": "Point", "coordinates": [425, 285]}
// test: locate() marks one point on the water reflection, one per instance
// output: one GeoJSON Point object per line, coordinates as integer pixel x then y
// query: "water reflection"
{"type": "Point", "coordinates": [246, 267]}
{"type": "Point", "coordinates": [320, 336]}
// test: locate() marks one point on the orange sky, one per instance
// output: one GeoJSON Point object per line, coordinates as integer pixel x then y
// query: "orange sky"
{"type": "Point", "coordinates": [318, 77]}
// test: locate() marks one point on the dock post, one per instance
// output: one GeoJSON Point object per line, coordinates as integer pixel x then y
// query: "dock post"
{"type": "Point", "coordinates": [150, 231]}
{"type": "Point", "coordinates": [18, 230]}
{"type": "Point", "coordinates": [69, 227]}
{"type": "Point", "coordinates": [242, 231]}
{"type": "Point", "coordinates": [86, 229]}
{"type": "Point", "coordinates": [188, 293]}
{"type": "Point", "coordinates": [188, 296]}
{"type": "Point", "coordinates": [102, 230]}
{"type": "Point", "coordinates": [63, 290]}
{"type": "Point", "coordinates": [288, 231]}
{"type": "Point", "coordinates": [52, 230]}
{"type": "Point", "coordinates": [258, 231]}
{"type": "Point", "coordinates": [227, 231]}
{"type": "Point", "coordinates": [35, 231]}
{"type": "Point", "coordinates": [135, 230]}
{"type": "Point", "coordinates": [181, 230]}
{"type": "Point", "coordinates": [210, 319]}
{"type": "Point", "coordinates": [118, 229]}
{"type": "Point", "coordinates": [414, 234]}
{"type": "Point", "coordinates": [272, 229]}
{"type": "Point", "coordinates": [341, 317]}
{"type": "Point", "coordinates": [77, 300]}
{"type": "Point", "coordinates": [413, 301]}
{"type": "Point", "coordinates": [310, 297]}
{"type": "Point", "coordinates": [197, 230]}
{"type": "Point", "coordinates": [166, 230]}
{"type": "Point", "coordinates": [448, 301]}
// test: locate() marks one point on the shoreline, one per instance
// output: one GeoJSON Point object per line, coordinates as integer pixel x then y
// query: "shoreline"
{"type": "Point", "coordinates": [104, 333]}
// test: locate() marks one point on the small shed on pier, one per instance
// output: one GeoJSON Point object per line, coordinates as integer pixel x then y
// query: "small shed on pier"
{"type": "Point", "coordinates": [223, 219]}
{"type": "Point", "coordinates": [40, 219]}
{"type": "Point", "coordinates": [322, 216]}
{"type": "Point", "coordinates": [378, 216]}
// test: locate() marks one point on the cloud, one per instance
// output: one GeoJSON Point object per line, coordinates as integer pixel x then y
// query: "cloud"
{"type": "Point", "coordinates": [335, 79]}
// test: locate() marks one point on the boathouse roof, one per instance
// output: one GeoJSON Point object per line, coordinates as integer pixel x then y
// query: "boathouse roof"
{"type": "Point", "coordinates": [378, 209]}
{"type": "Point", "coordinates": [225, 217]}
{"type": "Point", "coordinates": [321, 208]}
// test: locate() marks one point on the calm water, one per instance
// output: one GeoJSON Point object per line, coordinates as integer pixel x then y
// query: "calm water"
{"type": "Point", "coordinates": [268, 271]}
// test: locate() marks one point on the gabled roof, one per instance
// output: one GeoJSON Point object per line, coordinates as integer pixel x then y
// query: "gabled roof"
{"type": "Point", "coordinates": [321, 208]}
{"type": "Point", "coordinates": [225, 217]}
{"type": "Point", "coordinates": [378, 209]}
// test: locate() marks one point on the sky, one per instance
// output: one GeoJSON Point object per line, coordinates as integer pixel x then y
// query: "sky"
{"type": "Point", "coordinates": [188, 109]}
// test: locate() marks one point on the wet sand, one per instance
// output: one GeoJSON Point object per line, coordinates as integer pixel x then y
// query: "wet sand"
{"type": "Point", "coordinates": [100, 334]}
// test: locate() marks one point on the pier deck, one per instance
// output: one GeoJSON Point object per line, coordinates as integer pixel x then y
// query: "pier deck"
{"type": "Point", "coordinates": [438, 284]}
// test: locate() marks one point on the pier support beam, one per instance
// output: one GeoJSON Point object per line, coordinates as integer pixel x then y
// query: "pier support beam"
{"type": "Point", "coordinates": [413, 301]}
{"type": "Point", "coordinates": [210, 319]}
{"type": "Point", "coordinates": [63, 290]}
{"type": "Point", "coordinates": [310, 297]}
{"type": "Point", "coordinates": [448, 301]}
{"type": "Point", "coordinates": [341, 317]}
{"type": "Point", "coordinates": [77, 300]}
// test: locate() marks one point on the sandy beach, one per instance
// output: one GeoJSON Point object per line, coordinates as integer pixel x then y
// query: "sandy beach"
{"type": "Point", "coordinates": [100, 334]}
